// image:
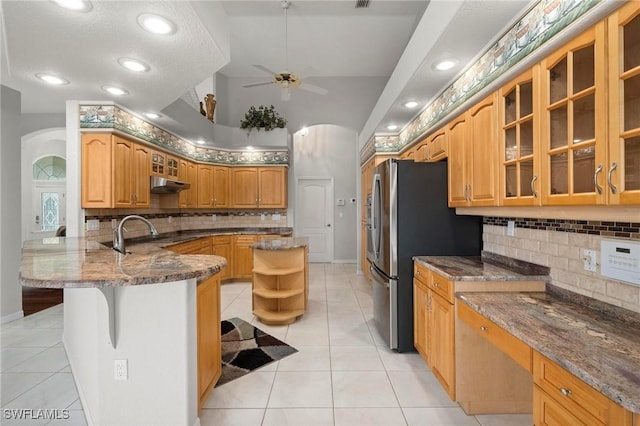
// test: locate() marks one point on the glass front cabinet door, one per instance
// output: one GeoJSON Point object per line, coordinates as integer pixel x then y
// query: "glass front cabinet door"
{"type": "Point", "coordinates": [622, 179]}
{"type": "Point", "coordinates": [574, 122]}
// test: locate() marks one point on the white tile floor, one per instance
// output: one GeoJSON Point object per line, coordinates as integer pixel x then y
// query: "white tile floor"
{"type": "Point", "coordinates": [342, 375]}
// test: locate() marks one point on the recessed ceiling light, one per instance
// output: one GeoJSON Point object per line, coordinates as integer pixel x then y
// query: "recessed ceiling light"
{"type": "Point", "coordinates": [77, 5]}
{"type": "Point", "coordinates": [152, 115]}
{"type": "Point", "coordinates": [133, 64]}
{"type": "Point", "coordinates": [392, 127]}
{"type": "Point", "coordinates": [200, 142]}
{"type": "Point", "coordinates": [411, 104]}
{"type": "Point", "coordinates": [156, 24]}
{"type": "Point", "coordinates": [115, 90]}
{"type": "Point", "coordinates": [445, 64]}
{"type": "Point", "coordinates": [52, 79]}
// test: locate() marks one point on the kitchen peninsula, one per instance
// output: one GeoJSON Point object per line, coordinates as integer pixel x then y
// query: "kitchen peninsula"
{"type": "Point", "coordinates": [136, 311]}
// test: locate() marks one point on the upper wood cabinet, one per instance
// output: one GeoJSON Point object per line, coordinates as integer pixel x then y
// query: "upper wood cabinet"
{"type": "Point", "coordinates": [518, 129]}
{"type": "Point", "coordinates": [158, 163]}
{"type": "Point", "coordinates": [623, 165]}
{"type": "Point", "coordinates": [573, 140]}
{"type": "Point", "coordinates": [96, 170]}
{"type": "Point", "coordinates": [221, 187]}
{"type": "Point", "coordinates": [188, 172]}
{"type": "Point", "coordinates": [437, 146]}
{"type": "Point", "coordinates": [115, 172]}
{"type": "Point", "coordinates": [473, 144]}
{"type": "Point", "coordinates": [205, 185]}
{"type": "Point", "coordinates": [258, 187]}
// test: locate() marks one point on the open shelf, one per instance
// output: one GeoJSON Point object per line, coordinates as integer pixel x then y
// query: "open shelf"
{"type": "Point", "coordinates": [277, 294]}
{"type": "Point", "coordinates": [278, 271]}
{"type": "Point", "coordinates": [278, 318]}
{"type": "Point", "coordinates": [280, 284]}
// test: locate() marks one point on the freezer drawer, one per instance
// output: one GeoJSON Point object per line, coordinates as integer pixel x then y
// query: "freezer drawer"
{"type": "Point", "coordinates": [385, 307]}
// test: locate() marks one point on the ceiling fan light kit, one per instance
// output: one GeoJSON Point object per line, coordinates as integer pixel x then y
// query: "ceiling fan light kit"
{"type": "Point", "coordinates": [286, 80]}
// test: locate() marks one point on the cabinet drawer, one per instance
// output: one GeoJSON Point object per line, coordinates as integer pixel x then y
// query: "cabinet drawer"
{"type": "Point", "coordinates": [519, 351]}
{"type": "Point", "coordinates": [548, 412]}
{"type": "Point", "coordinates": [579, 398]}
{"type": "Point", "coordinates": [244, 238]}
{"type": "Point", "coordinates": [421, 274]}
{"type": "Point", "coordinates": [442, 286]}
{"type": "Point", "coordinates": [221, 239]}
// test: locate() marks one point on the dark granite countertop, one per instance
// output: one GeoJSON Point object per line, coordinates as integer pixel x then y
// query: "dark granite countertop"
{"type": "Point", "coordinates": [281, 243]}
{"type": "Point", "coordinates": [598, 343]}
{"type": "Point", "coordinates": [77, 262]}
{"type": "Point", "coordinates": [488, 267]}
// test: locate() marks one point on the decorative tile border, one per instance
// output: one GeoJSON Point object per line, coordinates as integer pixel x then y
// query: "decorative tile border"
{"type": "Point", "coordinates": [112, 117]}
{"type": "Point", "coordinates": [629, 230]}
{"type": "Point", "coordinates": [109, 217]}
{"type": "Point", "coordinates": [546, 19]}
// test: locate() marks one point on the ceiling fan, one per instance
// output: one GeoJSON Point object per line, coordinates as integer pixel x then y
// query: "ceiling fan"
{"type": "Point", "coordinates": [286, 80]}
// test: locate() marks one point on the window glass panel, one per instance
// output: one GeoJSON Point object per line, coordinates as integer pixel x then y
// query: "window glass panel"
{"type": "Point", "coordinates": [559, 174]}
{"type": "Point", "coordinates": [631, 44]}
{"type": "Point", "coordinates": [510, 107]}
{"type": "Point", "coordinates": [583, 69]}
{"type": "Point", "coordinates": [50, 168]}
{"type": "Point", "coordinates": [50, 211]}
{"type": "Point", "coordinates": [511, 181]}
{"type": "Point", "coordinates": [584, 121]}
{"type": "Point", "coordinates": [558, 81]}
{"type": "Point", "coordinates": [584, 165]}
{"type": "Point", "coordinates": [526, 138]}
{"type": "Point", "coordinates": [526, 176]}
{"type": "Point", "coordinates": [510, 144]}
{"type": "Point", "coordinates": [526, 99]}
{"type": "Point", "coordinates": [632, 164]}
{"type": "Point", "coordinates": [632, 103]}
{"type": "Point", "coordinates": [558, 119]}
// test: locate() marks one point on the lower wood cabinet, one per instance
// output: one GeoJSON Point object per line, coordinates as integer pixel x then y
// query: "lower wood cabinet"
{"type": "Point", "coordinates": [221, 246]}
{"type": "Point", "coordinates": [420, 316]}
{"type": "Point", "coordinates": [209, 336]}
{"type": "Point", "coordinates": [243, 255]}
{"type": "Point", "coordinates": [560, 398]}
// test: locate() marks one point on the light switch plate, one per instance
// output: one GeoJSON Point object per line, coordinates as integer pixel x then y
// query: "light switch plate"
{"type": "Point", "coordinates": [93, 225]}
{"type": "Point", "coordinates": [511, 228]}
{"type": "Point", "coordinates": [589, 259]}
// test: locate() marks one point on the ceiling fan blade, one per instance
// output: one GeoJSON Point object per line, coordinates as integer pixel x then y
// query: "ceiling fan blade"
{"type": "Point", "coordinates": [265, 69]}
{"type": "Point", "coordinates": [264, 83]}
{"type": "Point", "coordinates": [315, 89]}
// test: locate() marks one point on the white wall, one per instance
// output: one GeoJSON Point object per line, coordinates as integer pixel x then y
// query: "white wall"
{"type": "Point", "coordinates": [330, 151]}
{"type": "Point", "coordinates": [10, 223]}
{"type": "Point", "coordinates": [35, 146]}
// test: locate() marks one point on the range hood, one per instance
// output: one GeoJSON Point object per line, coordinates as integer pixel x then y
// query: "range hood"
{"type": "Point", "coordinates": [160, 185]}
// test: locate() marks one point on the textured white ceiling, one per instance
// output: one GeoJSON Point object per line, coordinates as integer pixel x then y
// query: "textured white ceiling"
{"type": "Point", "coordinates": [327, 40]}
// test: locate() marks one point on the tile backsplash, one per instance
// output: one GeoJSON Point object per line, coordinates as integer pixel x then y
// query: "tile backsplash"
{"type": "Point", "coordinates": [558, 244]}
{"type": "Point", "coordinates": [180, 221]}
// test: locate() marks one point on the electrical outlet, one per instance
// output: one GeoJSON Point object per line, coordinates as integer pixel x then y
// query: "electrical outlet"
{"type": "Point", "coordinates": [93, 225]}
{"type": "Point", "coordinates": [262, 216]}
{"type": "Point", "coordinates": [275, 216]}
{"type": "Point", "coordinates": [511, 228]}
{"type": "Point", "coordinates": [589, 259]}
{"type": "Point", "coordinates": [170, 219]}
{"type": "Point", "coordinates": [213, 218]}
{"type": "Point", "coordinates": [120, 369]}
{"type": "Point", "coordinates": [114, 223]}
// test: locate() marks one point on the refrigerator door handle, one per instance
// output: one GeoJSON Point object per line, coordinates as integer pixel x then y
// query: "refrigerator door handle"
{"type": "Point", "coordinates": [375, 202]}
{"type": "Point", "coordinates": [379, 277]}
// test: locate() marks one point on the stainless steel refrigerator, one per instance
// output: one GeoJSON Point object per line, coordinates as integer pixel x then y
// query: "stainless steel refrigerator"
{"type": "Point", "coordinates": [409, 217]}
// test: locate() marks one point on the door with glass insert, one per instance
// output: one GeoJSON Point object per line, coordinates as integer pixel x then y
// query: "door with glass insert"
{"type": "Point", "coordinates": [573, 118]}
{"type": "Point", "coordinates": [623, 173]}
{"type": "Point", "coordinates": [519, 129]}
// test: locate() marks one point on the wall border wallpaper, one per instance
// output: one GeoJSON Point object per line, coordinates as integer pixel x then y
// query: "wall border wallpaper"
{"type": "Point", "coordinates": [543, 21]}
{"type": "Point", "coordinates": [112, 117]}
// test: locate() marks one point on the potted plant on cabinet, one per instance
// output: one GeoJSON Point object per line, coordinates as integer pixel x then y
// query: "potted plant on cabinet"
{"type": "Point", "coordinates": [263, 117]}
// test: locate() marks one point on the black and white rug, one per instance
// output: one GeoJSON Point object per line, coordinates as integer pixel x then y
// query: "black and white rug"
{"type": "Point", "coordinates": [246, 348]}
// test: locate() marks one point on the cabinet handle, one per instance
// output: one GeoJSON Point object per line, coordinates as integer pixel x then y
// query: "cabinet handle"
{"type": "Point", "coordinates": [614, 166]}
{"type": "Point", "coordinates": [565, 392]}
{"type": "Point", "coordinates": [417, 273]}
{"type": "Point", "coordinates": [437, 285]}
{"type": "Point", "coordinates": [595, 179]}
{"type": "Point", "coordinates": [484, 328]}
{"type": "Point", "coordinates": [533, 191]}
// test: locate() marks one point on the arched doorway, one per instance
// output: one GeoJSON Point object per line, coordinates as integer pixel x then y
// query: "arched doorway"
{"type": "Point", "coordinates": [48, 192]}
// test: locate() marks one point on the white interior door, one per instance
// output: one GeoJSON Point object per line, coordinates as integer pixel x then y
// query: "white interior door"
{"type": "Point", "coordinates": [314, 216]}
{"type": "Point", "coordinates": [48, 208]}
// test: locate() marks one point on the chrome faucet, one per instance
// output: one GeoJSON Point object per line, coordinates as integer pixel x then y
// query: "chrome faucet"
{"type": "Point", "coordinates": [118, 239]}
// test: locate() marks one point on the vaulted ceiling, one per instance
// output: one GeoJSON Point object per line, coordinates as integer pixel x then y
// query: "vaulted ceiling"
{"type": "Point", "coordinates": [352, 52]}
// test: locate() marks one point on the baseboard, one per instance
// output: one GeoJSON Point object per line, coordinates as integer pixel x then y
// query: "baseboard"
{"type": "Point", "coordinates": [344, 261]}
{"type": "Point", "coordinates": [12, 317]}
